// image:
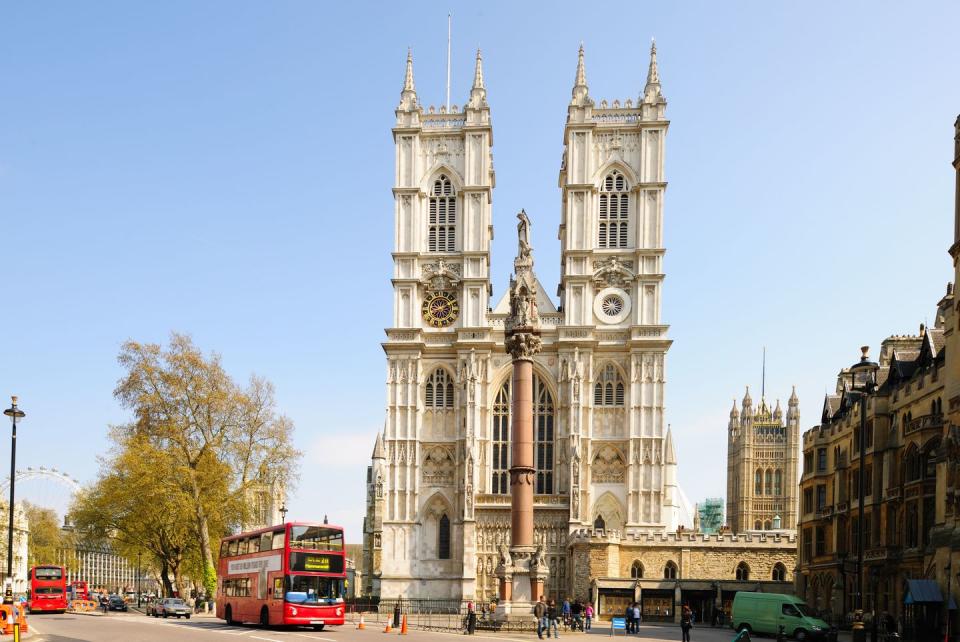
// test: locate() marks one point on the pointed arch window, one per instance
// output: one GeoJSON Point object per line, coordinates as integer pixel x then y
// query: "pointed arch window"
{"type": "Point", "coordinates": [769, 478]}
{"type": "Point", "coordinates": [609, 389]}
{"type": "Point", "coordinates": [743, 572]}
{"type": "Point", "coordinates": [438, 392]}
{"type": "Point", "coordinates": [636, 571]}
{"type": "Point", "coordinates": [442, 216]}
{"type": "Point", "coordinates": [778, 482]}
{"type": "Point", "coordinates": [443, 537]}
{"type": "Point", "coordinates": [670, 571]}
{"type": "Point", "coordinates": [779, 573]}
{"type": "Point", "coordinates": [500, 462]}
{"type": "Point", "coordinates": [614, 211]}
{"type": "Point", "coordinates": [544, 426]}
{"type": "Point", "coordinates": [758, 482]}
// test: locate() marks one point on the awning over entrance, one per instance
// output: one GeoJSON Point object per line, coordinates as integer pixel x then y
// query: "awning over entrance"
{"type": "Point", "coordinates": [925, 592]}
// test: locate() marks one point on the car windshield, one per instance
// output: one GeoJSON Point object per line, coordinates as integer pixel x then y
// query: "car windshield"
{"type": "Point", "coordinates": [48, 573]}
{"type": "Point", "coordinates": [175, 602]}
{"type": "Point", "coordinates": [804, 609]}
{"type": "Point", "coordinates": [316, 538]}
{"type": "Point", "coordinates": [311, 589]}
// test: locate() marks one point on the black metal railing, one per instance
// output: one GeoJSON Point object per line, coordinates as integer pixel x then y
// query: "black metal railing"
{"type": "Point", "coordinates": [431, 614]}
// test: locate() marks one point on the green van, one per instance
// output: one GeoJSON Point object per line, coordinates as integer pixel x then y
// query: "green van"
{"type": "Point", "coordinates": [767, 612]}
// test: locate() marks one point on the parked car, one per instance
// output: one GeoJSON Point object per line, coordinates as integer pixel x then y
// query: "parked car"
{"type": "Point", "coordinates": [173, 606]}
{"type": "Point", "coordinates": [154, 607]}
{"type": "Point", "coordinates": [117, 603]}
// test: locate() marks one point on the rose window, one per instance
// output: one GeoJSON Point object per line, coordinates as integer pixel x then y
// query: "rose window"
{"type": "Point", "coordinates": [612, 305]}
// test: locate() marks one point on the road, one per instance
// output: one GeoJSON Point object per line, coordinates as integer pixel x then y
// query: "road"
{"type": "Point", "coordinates": [134, 627]}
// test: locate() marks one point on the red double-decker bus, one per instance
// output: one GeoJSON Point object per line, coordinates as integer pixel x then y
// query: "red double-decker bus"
{"type": "Point", "coordinates": [291, 574]}
{"type": "Point", "coordinates": [48, 589]}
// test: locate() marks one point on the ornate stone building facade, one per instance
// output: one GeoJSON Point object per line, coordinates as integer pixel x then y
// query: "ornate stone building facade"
{"type": "Point", "coordinates": [438, 502]}
{"type": "Point", "coordinates": [762, 451]}
{"type": "Point", "coordinates": [911, 510]}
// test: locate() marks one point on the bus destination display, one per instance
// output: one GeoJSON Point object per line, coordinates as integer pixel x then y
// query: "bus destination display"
{"type": "Point", "coordinates": [316, 563]}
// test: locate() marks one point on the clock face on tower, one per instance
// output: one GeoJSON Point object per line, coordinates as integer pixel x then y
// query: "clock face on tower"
{"type": "Point", "coordinates": [440, 309]}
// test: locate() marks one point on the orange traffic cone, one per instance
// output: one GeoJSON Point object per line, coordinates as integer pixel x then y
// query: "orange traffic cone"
{"type": "Point", "coordinates": [388, 629]}
{"type": "Point", "coordinates": [360, 626]}
{"type": "Point", "coordinates": [403, 625]}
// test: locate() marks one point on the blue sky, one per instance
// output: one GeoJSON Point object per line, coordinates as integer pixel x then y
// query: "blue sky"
{"type": "Point", "coordinates": [224, 169]}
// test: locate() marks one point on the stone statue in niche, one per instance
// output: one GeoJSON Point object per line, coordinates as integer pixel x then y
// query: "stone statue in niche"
{"type": "Point", "coordinates": [524, 250]}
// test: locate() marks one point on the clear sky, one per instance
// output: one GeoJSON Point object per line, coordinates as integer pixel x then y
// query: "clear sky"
{"type": "Point", "coordinates": [224, 169]}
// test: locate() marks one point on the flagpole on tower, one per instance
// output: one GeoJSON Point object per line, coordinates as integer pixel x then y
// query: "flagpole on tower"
{"type": "Point", "coordinates": [449, 23]}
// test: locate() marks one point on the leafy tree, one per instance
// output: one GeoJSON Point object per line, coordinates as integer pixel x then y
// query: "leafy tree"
{"type": "Point", "coordinates": [46, 538]}
{"type": "Point", "coordinates": [220, 438]}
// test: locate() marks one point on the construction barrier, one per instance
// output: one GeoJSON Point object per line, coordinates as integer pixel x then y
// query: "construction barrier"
{"type": "Point", "coordinates": [83, 606]}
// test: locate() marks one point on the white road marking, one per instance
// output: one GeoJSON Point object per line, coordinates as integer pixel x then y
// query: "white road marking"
{"type": "Point", "coordinates": [316, 637]}
{"type": "Point", "coordinates": [257, 637]}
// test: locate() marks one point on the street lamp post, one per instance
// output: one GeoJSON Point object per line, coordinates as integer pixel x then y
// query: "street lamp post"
{"type": "Point", "coordinates": [14, 413]}
{"type": "Point", "coordinates": [139, 574]}
{"type": "Point", "coordinates": [283, 513]}
{"type": "Point", "coordinates": [864, 383]}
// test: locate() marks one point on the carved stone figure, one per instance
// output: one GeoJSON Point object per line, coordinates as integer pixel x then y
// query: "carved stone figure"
{"type": "Point", "coordinates": [524, 249]}
{"type": "Point", "coordinates": [539, 557]}
{"type": "Point", "coordinates": [506, 560]}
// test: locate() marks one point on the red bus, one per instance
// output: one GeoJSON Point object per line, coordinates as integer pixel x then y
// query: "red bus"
{"type": "Point", "coordinates": [290, 574]}
{"type": "Point", "coordinates": [48, 589]}
{"type": "Point", "coordinates": [79, 591]}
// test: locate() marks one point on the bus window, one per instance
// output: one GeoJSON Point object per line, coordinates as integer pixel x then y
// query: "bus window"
{"type": "Point", "coordinates": [233, 547]}
{"type": "Point", "coordinates": [266, 541]}
{"type": "Point", "coordinates": [316, 538]}
{"type": "Point", "coordinates": [223, 548]}
{"type": "Point", "coordinates": [254, 545]}
{"type": "Point", "coordinates": [277, 540]}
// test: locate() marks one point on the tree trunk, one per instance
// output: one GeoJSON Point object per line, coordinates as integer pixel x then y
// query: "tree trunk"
{"type": "Point", "coordinates": [165, 578]}
{"type": "Point", "coordinates": [203, 529]}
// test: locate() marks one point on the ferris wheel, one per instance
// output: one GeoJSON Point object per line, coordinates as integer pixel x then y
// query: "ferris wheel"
{"type": "Point", "coordinates": [45, 487]}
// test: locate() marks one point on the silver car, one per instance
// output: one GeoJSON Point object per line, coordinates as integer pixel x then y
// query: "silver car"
{"type": "Point", "coordinates": [174, 606]}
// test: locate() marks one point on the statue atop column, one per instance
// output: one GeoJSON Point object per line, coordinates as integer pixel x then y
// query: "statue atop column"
{"type": "Point", "coordinates": [522, 326]}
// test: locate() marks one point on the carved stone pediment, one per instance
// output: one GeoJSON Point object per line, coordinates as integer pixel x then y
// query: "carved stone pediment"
{"type": "Point", "coordinates": [613, 273]}
{"type": "Point", "coordinates": [438, 467]}
{"type": "Point", "coordinates": [608, 466]}
{"type": "Point", "coordinates": [441, 275]}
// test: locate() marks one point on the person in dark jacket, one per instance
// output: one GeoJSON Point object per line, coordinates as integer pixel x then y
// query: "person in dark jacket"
{"type": "Point", "coordinates": [686, 622]}
{"type": "Point", "coordinates": [554, 616]}
{"type": "Point", "coordinates": [628, 616]}
{"type": "Point", "coordinates": [540, 612]}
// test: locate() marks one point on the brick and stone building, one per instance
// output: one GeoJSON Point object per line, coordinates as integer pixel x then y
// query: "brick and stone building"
{"type": "Point", "coordinates": [762, 451]}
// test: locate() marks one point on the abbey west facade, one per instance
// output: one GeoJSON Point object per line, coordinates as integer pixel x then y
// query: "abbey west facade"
{"type": "Point", "coordinates": [438, 502]}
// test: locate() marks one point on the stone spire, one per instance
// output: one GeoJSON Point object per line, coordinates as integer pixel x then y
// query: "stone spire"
{"type": "Point", "coordinates": [478, 93]}
{"type": "Point", "coordinates": [378, 450]}
{"type": "Point", "coordinates": [669, 454]}
{"type": "Point", "coordinates": [747, 399]}
{"type": "Point", "coordinates": [734, 412]}
{"type": "Point", "coordinates": [651, 93]}
{"type": "Point", "coordinates": [408, 97]}
{"type": "Point", "coordinates": [793, 406]}
{"type": "Point", "coordinates": [793, 398]}
{"type": "Point", "coordinates": [777, 412]}
{"type": "Point", "coordinates": [581, 93]}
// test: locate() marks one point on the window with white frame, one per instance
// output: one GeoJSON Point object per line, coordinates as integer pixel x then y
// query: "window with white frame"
{"type": "Point", "coordinates": [614, 211]}
{"type": "Point", "coordinates": [500, 461]}
{"type": "Point", "coordinates": [442, 217]}
{"type": "Point", "coordinates": [438, 392]}
{"type": "Point", "coordinates": [608, 391]}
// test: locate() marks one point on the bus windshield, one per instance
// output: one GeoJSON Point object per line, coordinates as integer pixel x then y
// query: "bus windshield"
{"type": "Point", "coordinates": [316, 538]}
{"type": "Point", "coordinates": [48, 573]}
{"type": "Point", "coordinates": [310, 589]}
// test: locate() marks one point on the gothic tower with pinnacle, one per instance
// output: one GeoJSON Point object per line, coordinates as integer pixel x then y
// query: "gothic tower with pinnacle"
{"type": "Point", "coordinates": [763, 448]}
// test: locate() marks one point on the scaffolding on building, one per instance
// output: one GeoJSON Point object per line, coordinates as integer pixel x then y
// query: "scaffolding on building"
{"type": "Point", "coordinates": [711, 514]}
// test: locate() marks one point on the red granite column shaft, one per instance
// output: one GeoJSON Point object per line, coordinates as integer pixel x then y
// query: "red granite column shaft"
{"type": "Point", "coordinates": [522, 470]}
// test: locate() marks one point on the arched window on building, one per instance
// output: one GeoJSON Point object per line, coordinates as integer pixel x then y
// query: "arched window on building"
{"type": "Point", "coordinates": [500, 461]}
{"type": "Point", "coordinates": [614, 211]}
{"type": "Point", "coordinates": [779, 573]}
{"type": "Point", "coordinates": [438, 392]}
{"type": "Point", "coordinates": [543, 422]}
{"type": "Point", "coordinates": [670, 571]}
{"type": "Point", "coordinates": [778, 482]}
{"type": "Point", "coordinates": [767, 525]}
{"type": "Point", "coordinates": [443, 538]}
{"type": "Point", "coordinates": [599, 524]}
{"type": "Point", "coordinates": [743, 572]}
{"type": "Point", "coordinates": [442, 217]}
{"type": "Point", "coordinates": [757, 525]}
{"type": "Point", "coordinates": [769, 479]}
{"type": "Point", "coordinates": [636, 570]}
{"type": "Point", "coordinates": [758, 482]}
{"type": "Point", "coordinates": [609, 390]}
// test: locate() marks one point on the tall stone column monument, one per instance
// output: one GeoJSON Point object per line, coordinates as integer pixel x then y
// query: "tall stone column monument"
{"type": "Point", "coordinates": [522, 570]}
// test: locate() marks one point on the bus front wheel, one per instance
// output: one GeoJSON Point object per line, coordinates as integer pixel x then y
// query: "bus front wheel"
{"type": "Point", "coordinates": [264, 617]}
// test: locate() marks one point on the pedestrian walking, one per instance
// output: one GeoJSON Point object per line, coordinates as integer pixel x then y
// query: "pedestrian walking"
{"type": "Point", "coordinates": [554, 616]}
{"type": "Point", "coordinates": [628, 616]}
{"type": "Point", "coordinates": [686, 622]}
{"type": "Point", "coordinates": [540, 612]}
{"type": "Point", "coordinates": [565, 612]}
{"type": "Point", "coordinates": [471, 618]}
{"type": "Point", "coordinates": [588, 614]}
